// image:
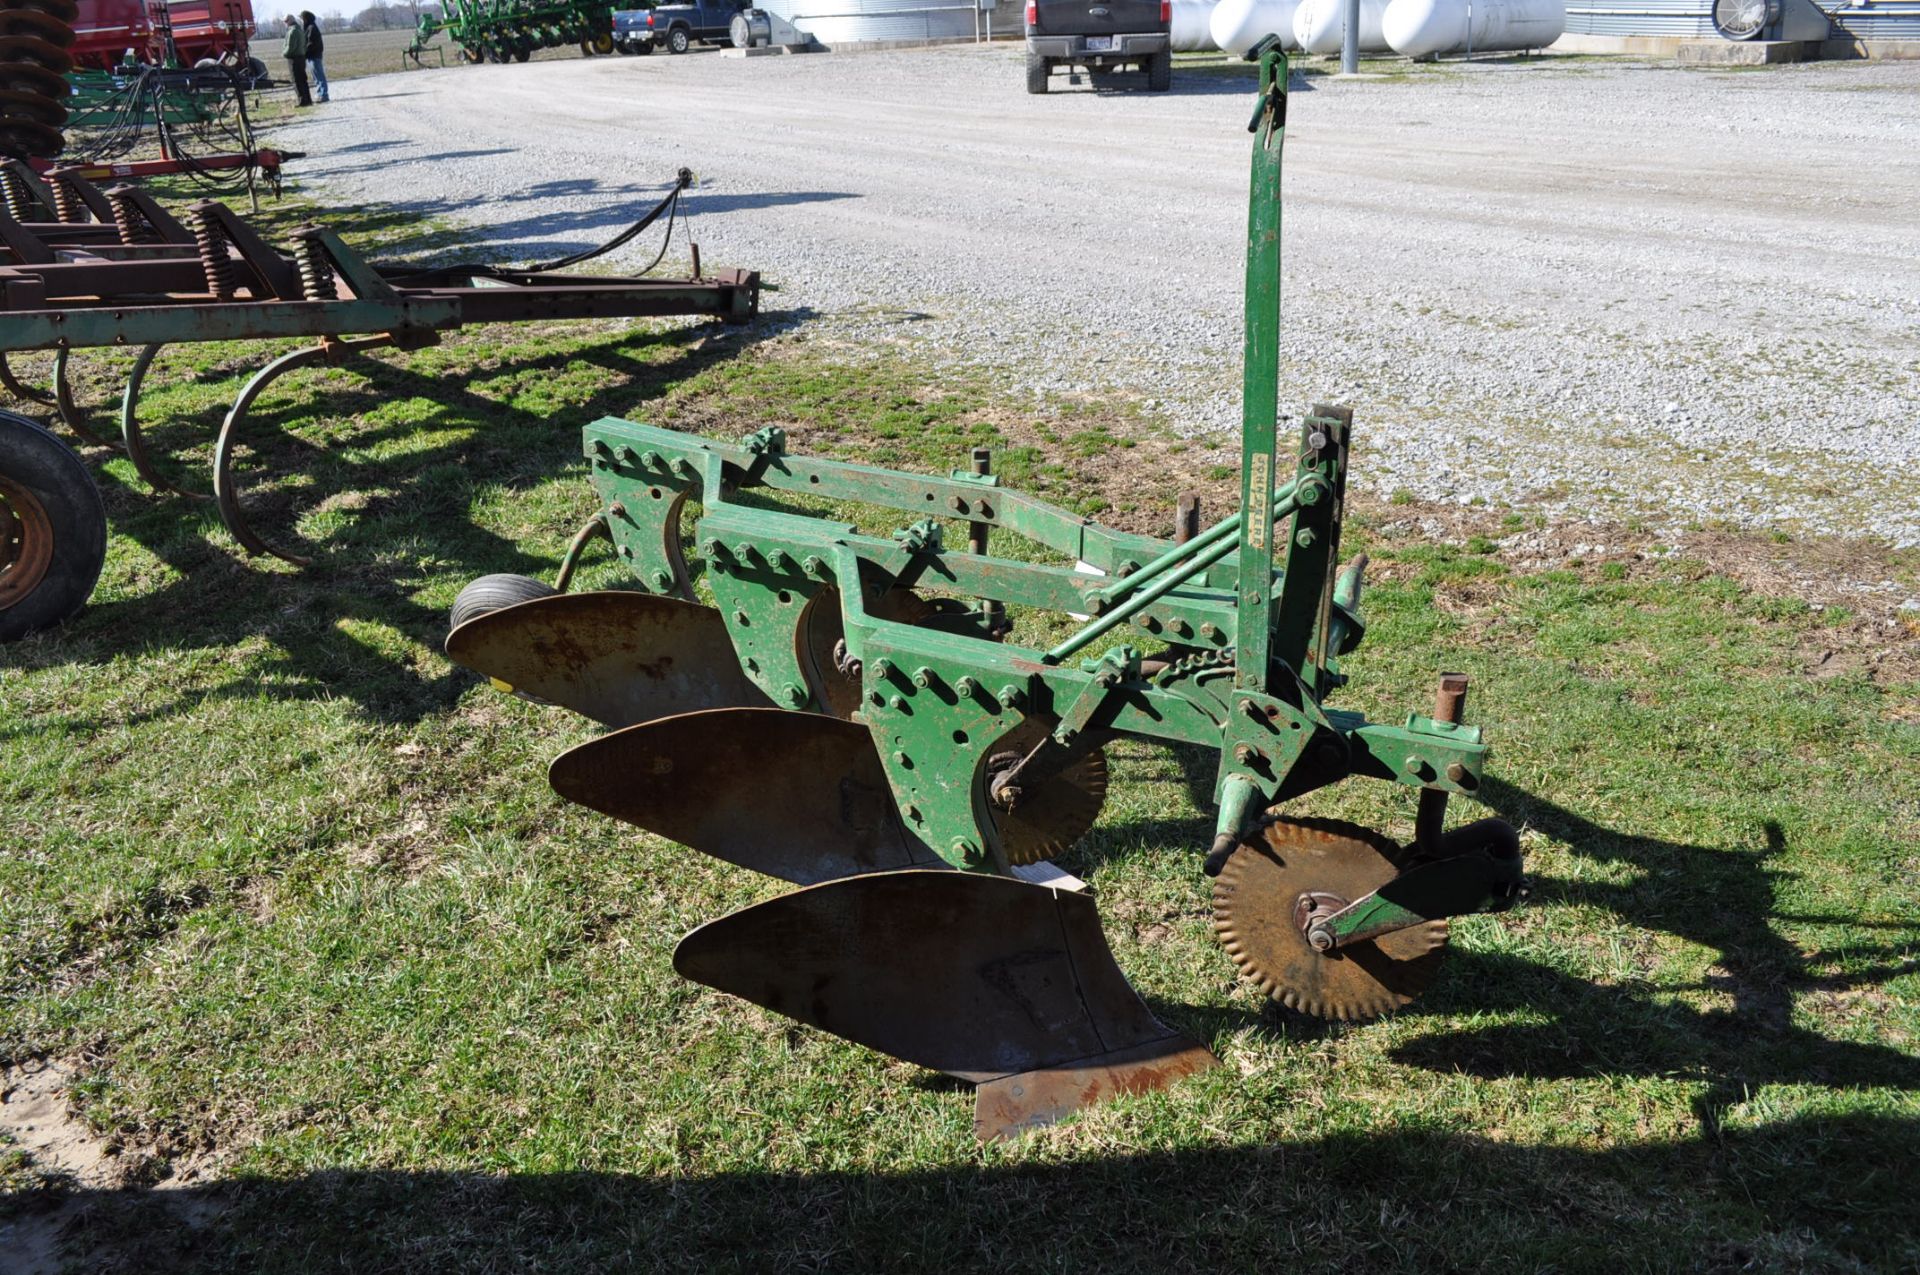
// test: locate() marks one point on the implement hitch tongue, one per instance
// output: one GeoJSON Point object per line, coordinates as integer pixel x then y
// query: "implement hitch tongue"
{"type": "Point", "coordinates": [855, 714]}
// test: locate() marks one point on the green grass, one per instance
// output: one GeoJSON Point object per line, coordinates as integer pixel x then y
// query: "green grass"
{"type": "Point", "coordinates": [292, 896]}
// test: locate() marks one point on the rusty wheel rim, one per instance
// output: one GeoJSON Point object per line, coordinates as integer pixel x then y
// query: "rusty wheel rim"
{"type": "Point", "coordinates": [26, 542]}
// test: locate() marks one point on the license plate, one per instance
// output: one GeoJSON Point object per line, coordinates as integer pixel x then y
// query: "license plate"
{"type": "Point", "coordinates": [1099, 44]}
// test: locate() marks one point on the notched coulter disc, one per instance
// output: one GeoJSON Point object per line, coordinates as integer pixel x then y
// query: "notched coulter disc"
{"type": "Point", "coordinates": [1056, 812]}
{"type": "Point", "coordinates": [1253, 916]}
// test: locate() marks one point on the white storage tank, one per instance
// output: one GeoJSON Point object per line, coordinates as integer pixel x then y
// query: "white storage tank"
{"type": "Point", "coordinates": [1191, 30]}
{"type": "Point", "coordinates": [1319, 24]}
{"type": "Point", "coordinates": [1418, 28]}
{"type": "Point", "coordinates": [1238, 25]}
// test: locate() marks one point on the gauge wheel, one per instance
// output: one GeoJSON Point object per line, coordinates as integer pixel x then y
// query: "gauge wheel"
{"type": "Point", "coordinates": [53, 529]}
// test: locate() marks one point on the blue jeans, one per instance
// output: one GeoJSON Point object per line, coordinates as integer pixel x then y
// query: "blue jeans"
{"type": "Point", "coordinates": [318, 73]}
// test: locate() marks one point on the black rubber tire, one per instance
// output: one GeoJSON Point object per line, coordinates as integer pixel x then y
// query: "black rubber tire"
{"type": "Point", "coordinates": [496, 592]}
{"type": "Point", "coordinates": [1160, 71]}
{"type": "Point", "coordinates": [678, 41]}
{"type": "Point", "coordinates": [522, 54]}
{"type": "Point", "coordinates": [33, 459]}
{"type": "Point", "coordinates": [1037, 73]}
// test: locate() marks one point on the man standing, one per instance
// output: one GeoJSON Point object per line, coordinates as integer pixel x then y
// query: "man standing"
{"type": "Point", "coordinates": [295, 52]}
{"type": "Point", "coordinates": [316, 48]}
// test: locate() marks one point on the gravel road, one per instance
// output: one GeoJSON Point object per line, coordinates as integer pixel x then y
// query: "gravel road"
{"type": "Point", "coordinates": [1609, 289]}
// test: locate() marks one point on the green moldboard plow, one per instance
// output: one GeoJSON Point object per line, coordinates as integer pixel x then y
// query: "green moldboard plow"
{"type": "Point", "coordinates": [850, 716]}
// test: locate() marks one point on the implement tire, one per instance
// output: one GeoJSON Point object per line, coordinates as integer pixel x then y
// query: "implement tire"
{"type": "Point", "coordinates": [496, 593]}
{"type": "Point", "coordinates": [53, 529]}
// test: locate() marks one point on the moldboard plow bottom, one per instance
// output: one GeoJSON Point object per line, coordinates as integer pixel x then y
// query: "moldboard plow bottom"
{"type": "Point", "coordinates": [910, 732]}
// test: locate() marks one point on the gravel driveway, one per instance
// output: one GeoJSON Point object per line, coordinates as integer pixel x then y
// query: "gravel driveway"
{"type": "Point", "coordinates": [1603, 288]}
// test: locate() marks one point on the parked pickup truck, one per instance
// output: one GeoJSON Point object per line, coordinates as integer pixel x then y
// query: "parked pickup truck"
{"type": "Point", "coordinates": [677, 26]}
{"type": "Point", "coordinates": [1099, 35]}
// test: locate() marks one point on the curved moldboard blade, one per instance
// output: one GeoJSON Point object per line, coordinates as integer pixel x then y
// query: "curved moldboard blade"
{"type": "Point", "coordinates": [617, 657]}
{"type": "Point", "coordinates": [999, 982]}
{"type": "Point", "coordinates": [799, 796]}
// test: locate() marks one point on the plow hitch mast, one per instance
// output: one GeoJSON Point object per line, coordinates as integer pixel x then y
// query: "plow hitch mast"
{"type": "Point", "coordinates": [909, 728]}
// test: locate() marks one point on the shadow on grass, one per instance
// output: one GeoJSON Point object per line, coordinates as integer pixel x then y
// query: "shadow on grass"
{"type": "Point", "coordinates": [1811, 1193]}
{"type": "Point", "coordinates": [407, 520]}
{"type": "Point", "coordinates": [1722, 900]}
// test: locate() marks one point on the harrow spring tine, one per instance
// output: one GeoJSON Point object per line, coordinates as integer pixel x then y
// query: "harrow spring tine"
{"type": "Point", "coordinates": [132, 437]}
{"type": "Point", "coordinates": [70, 413]}
{"type": "Point", "coordinates": [225, 494]}
{"type": "Point", "coordinates": [20, 389]}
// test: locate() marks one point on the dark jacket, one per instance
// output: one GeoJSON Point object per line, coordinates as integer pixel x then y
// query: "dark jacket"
{"type": "Point", "coordinates": [316, 46]}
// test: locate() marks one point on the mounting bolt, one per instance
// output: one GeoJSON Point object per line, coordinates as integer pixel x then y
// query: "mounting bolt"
{"type": "Point", "coordinates": [713, 549]}
{"type": "Point", "coordinates": [876, 698]}
{"type": "Point", "coordinates": [898, 703]}
{"type": "Point", "coordinates": [967, 687]}
{"type": "Point", "coordinates": [650, 460]}
{"type": "Point", "coordinates": [957, 504]}
{"type": "Point", "coordinates": [781, 560]}
{"type": "Point", "coordinates": [793, 694]}
{"type": "Point", "coordinates": [882, 668]}
{"type": "Point", "coordinates": [1209, 631]}
{"type": "Point", "coordinates": [625, 455]}
{"type": "Point", "coordinates": [1305, 538]}
{"type": "Point", "coordinates": [661, 580]}
{"type": "Point", "coordinates": [617, 509]}
{"type": "Point", "coordinates": [1180, 628]}
{"type": "Point", "coordinates": [1107, 680]}
{"type": "Point", "coordinates": [813, 567]}
{"type": "Point", "coordinates": [1011, 696]}
{"type": "Point", "coordinates": [1247, 754]}
{"type": "Point", "coordinates": [1148, 622]}
{"type": "Point", "coordinates": [1127, 567]}
{"type": "Point", "coordinates": [745, 551]}
{"type": "Point", "coordinates": [1457, 773]}
{"type": "Point", "coordinates": [681, 467]}
{"type": "Point", "coordinates": [923, 677]}
{"type": "Point", "coordinates": [601, 448]}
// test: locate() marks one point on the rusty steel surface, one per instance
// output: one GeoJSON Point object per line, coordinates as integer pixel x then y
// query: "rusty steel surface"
{"type": "Point", "coordinates": [26, 541]}
{"type": "Point", "coordinates": [799, 796]}
{"type": "Point", "coordinates": [1011, 1105]}
{"type": "Point", "coordinates": [617, 657]}
{"type": "Point", "coordinates": [1255, 902]}
{"type": "Point", "coordinates": [982, 977]}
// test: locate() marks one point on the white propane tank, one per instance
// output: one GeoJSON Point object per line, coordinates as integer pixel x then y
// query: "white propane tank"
{"type": "Point", "coordinates": [1191, 33]}
{"type": "Point", "coordinates": [1417, 28]}
{"type": "Point", "coordinates": [1238, 25]}
{"type": "Point", "coordinates": [1317, 25]}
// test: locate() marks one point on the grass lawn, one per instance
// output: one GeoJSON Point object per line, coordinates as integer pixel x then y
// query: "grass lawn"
{"type": "Point", "coordinates": [335, 982]}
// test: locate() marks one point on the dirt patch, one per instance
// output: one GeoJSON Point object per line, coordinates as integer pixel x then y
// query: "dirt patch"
{"type": "Point", "coordinates": [82, 1172]}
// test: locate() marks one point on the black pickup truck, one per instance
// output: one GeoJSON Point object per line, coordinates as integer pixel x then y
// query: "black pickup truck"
{"type": "Point", "coordinates": [677, 26]}
{"type": "Point", "coordinates": [1101, 36]}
